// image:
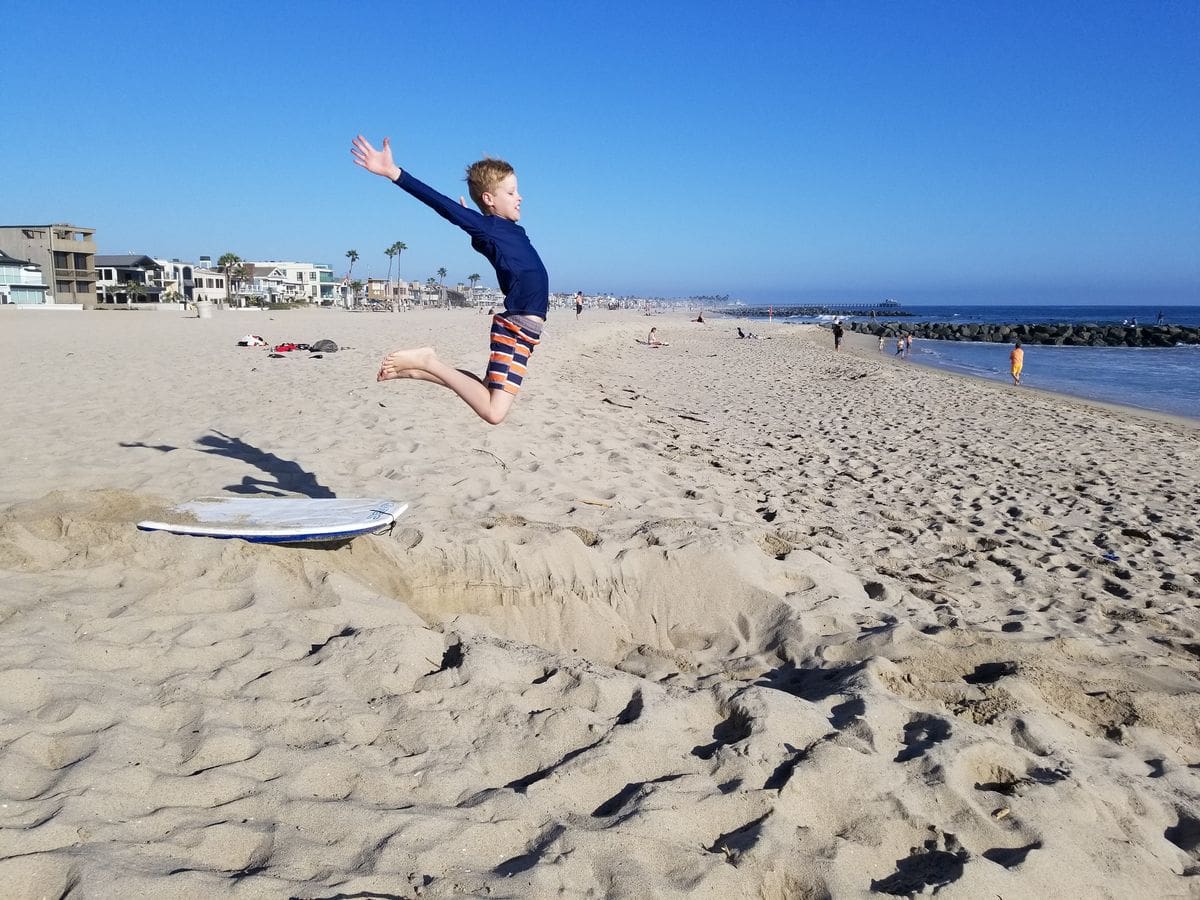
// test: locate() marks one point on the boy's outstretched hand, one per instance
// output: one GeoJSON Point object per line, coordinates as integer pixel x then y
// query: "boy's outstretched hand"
{"type": "Point", "coordinates": [378, 162]}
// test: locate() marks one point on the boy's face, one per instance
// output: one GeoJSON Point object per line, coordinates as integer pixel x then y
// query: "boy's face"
{"type": "Point", "coordinates": [504, 201]}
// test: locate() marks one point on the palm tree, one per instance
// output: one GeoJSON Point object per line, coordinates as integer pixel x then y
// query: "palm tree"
{"type": "Point", "coordinates": [442, 284]}
{"type": "Point", "coordinates": [351, 255]}
{"type": "Point", "coordinates": [390, 253]}
{"type": "Point", "coordinates": [356, 286]}
{"type": "Point", "coordinates": [474, 279]}
{"type": "Point", "coordinates": [226, 263]}
{"type": "Point", "coordinates": [133, 289]}
{"type": "Point", "coordinates": [241, 274]}
{"type": "Point", "coordinates": [399, 247]}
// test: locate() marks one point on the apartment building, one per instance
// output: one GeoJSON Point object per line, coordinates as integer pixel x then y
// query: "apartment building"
{"type": "Point", "coordinates": [65, 254]}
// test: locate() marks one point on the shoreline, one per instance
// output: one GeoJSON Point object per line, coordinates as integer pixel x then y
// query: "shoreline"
{"type": "Point", "coordinates": [866, 345]}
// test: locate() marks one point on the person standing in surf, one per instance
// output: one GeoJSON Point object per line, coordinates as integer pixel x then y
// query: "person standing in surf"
{"type": "Point", "coordinates": [494, 232]}
{"type": "Point", "coordinates": [1016, 362]}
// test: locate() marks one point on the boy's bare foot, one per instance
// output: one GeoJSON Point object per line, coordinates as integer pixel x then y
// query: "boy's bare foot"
{"type": "Point", "coordinates": [408, 364]}
{"type": "Point", "coordinates": [417, 375]}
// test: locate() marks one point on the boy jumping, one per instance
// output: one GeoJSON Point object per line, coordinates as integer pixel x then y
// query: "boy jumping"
{"type": "Point", "coordinates": [522, 277]}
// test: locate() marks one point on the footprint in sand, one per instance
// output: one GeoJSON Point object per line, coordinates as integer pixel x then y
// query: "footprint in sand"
{"type": "Point", "coordinates": [730, 731]}
{"type": "Point", "coordinates": [921, 734]}
{"type": "Point", "coordinates": [1010, 857]}
{"type": "Point", "coordinates": [1185, 834]}
{"type": "Point", "coordinates": [937, 863]}
{"type": "Point", "coordinates": [734, 844]}
{"type": "Point", "coordinates": [990, 673]}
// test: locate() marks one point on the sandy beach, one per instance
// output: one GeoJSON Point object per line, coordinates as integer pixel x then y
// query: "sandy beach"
{"type": "Point", "coordinates": [719, 619]}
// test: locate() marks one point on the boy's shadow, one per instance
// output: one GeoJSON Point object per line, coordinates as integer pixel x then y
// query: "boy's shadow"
{"type": "Point", "coordinates": [289, 477]}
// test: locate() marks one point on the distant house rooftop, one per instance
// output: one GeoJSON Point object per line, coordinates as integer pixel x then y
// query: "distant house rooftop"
{"type": "Point", "coordinates": [125, 261]}
{"type": "Point", "coordinates": [6, 260]}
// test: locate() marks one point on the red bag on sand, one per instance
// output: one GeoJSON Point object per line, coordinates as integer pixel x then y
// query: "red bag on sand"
{"type": "Point", "coordinates": [284, 348]}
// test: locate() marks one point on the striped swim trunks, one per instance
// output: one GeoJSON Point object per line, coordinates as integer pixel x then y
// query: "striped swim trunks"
{"type": "Point", "coordinates": [513, 340]}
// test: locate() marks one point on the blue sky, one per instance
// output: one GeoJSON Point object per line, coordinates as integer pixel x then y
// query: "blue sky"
{"type": "Point", "coordinates": [931, 152]}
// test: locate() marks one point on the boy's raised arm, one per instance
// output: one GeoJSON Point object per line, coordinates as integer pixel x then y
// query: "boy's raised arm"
{"type": "Point", "coordinates": [380, 162]}
{"type": "Point", "coordinates": [377, 162]}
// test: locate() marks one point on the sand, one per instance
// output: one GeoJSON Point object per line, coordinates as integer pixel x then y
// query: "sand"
{"type": "Point", "coordinates": [720, 619]}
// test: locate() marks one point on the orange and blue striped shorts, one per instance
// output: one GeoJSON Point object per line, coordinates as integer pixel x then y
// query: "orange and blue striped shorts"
{"type": "Point", "coordinates": [513, 340]}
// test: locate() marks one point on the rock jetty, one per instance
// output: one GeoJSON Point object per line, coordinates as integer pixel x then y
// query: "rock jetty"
{"type": "Point", "coordinates": [1065, 335]}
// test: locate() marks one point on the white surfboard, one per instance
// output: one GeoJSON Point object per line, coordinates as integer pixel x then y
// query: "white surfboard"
{"type": "Point", "coordinates": [279, 520]}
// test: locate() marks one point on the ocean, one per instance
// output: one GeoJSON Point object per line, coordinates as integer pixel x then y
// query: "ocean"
{"type": "Point", "coordinates": [1165, 379]}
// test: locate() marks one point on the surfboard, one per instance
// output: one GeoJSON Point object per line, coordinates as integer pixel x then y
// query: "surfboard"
{"type": "Point", "coordinates": [279, 520]}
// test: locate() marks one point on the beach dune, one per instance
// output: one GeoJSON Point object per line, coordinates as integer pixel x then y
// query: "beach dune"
{"type": "Point", "coordinates": [720, 619]}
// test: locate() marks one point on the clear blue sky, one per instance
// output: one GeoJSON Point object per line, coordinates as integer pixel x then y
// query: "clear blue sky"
{"type": "Point", "coordinates": [931, 152]}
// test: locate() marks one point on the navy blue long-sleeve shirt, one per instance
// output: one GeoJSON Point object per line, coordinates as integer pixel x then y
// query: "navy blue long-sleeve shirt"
{"type": "Point", "coordinates": [519, 269]}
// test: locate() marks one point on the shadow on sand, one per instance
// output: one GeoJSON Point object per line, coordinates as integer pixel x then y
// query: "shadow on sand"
{"type": "Point", "coordinates": [288, 476]}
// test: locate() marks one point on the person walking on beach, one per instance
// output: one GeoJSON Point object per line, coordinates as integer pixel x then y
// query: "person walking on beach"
{"type": "Point", "coordinates": [908, 343]}
{"type": "Point", "coordinates": [494, 232]}
{"type": "Point", "coordinates": [578, 303]}
{"type": "Point", "coordinates": [881, 342]}
{"type": "Point", "coordinates": [899, 344]}
{"type": "Point", "coordinates": [838, 331]}
{"type": "Point", "coordinates": [1016, 362]}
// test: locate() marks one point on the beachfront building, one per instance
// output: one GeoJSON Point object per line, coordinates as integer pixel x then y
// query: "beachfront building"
{"type": "Point", "coordinates": [387, 293]}
{"type": "Point", "coordinates": [407, 294]}
{"type": "Point", "coordinates": [482, 296]}
{"type": "Point", "coordinates": [329, 289]}
{"type": "Point", "coordinates": [65, 254]}
{"type": "Point", "coordinates": [21, 282]}
{"type": "Point", "coordinates": [208, 284]}
{"type": "Point", "coordinates": [176, 279]}
{"type": "Point", "coordinates": [274, 281]}
{"type": "Point", "coordinates": [403, 294]}
{"type": "Point", "coordinates": [127, 278]}
{"type": "Point", "coordinates": [427, 293]}
{"type": "Point", "coordinates": [271, 282]}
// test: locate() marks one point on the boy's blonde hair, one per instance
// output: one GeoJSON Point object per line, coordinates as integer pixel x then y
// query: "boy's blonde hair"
{"type": "Point", "coordinates": [486, 175]}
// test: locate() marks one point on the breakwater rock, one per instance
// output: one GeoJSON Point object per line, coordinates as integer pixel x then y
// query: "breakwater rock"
{"type": "Point", "coordinates": [1065, 335]}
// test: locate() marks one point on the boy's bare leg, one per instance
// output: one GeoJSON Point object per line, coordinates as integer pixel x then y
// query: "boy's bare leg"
{"type": "Point", "coordinates": [423, 365]}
